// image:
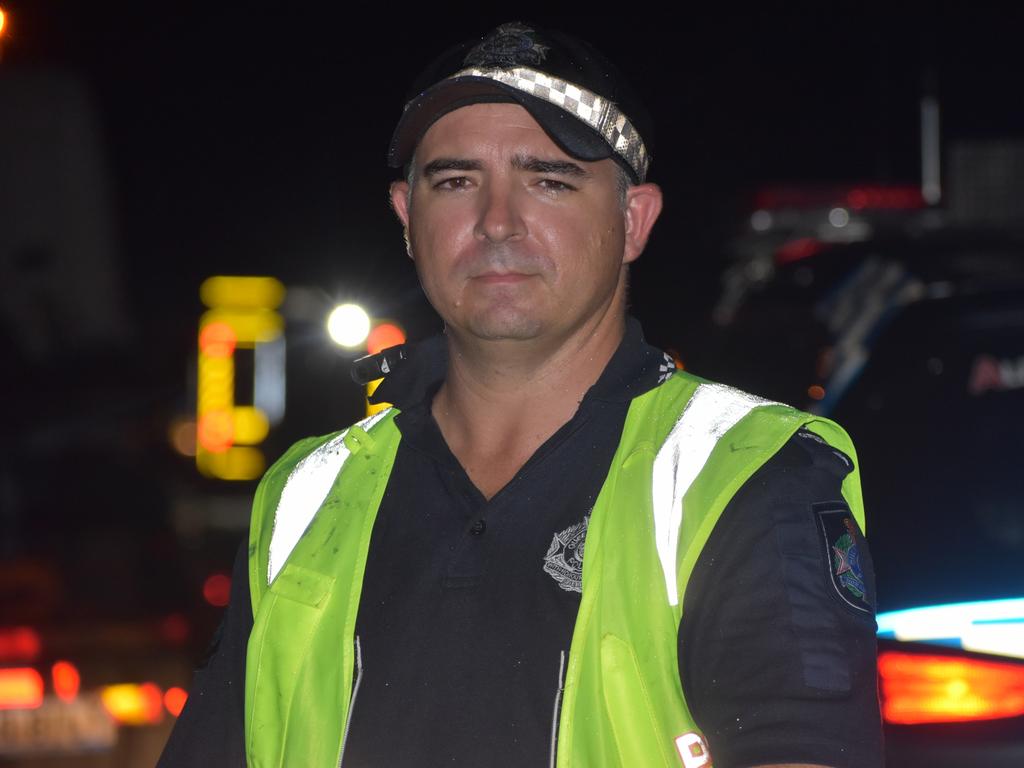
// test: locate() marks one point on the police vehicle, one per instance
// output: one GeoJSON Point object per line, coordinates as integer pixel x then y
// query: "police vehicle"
{"type": "Point", "coordinates": [906, 325]}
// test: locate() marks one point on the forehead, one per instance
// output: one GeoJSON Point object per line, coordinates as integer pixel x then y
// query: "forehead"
{"type": "Point", "coordinates": [487, 129]}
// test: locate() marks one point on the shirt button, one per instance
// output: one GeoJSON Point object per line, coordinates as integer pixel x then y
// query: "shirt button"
{"type": "Point", "coordinates": [478, 527]}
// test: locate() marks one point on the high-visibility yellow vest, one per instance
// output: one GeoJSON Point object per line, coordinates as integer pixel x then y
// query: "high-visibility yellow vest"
{"type": "Point", "coordinates": [687, 447]}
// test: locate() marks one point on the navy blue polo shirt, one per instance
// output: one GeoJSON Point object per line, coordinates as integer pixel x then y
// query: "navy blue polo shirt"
{"type": "Point", "coordinates": [468, 604]}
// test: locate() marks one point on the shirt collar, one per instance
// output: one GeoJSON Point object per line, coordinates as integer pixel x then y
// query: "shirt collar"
{"type": "Point", "coordinates": [633, 369]}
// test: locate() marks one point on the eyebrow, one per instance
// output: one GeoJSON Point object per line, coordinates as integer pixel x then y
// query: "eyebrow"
{"type": "Point", "coordinates": [539, 165]}
{"type": "Point", "coordinates": [450, 164]}
{"type": "Point", "coordinates": [528, 163]}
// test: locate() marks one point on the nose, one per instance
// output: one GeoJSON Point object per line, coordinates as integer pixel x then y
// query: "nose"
{"type": "Point", "coordinates": [500, 215]}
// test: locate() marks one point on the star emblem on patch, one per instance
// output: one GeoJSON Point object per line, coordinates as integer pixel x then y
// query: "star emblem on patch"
{"type": "Point", "coordinates": [844, 546]}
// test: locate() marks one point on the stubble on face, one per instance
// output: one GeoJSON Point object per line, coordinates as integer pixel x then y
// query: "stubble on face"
{"type": "Point", "coordinates": [517, 250]}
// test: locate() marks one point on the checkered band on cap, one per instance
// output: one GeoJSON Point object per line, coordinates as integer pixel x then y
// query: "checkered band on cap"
{"type": "Point", "coordinates": [597, 112]}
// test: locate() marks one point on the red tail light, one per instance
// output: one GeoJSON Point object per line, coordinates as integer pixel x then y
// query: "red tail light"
{"type": "Point", "coordinates": [933, 688]}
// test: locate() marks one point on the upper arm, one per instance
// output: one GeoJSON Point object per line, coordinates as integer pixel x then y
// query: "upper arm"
{"type": "Point", "coordinates": [777, 651]}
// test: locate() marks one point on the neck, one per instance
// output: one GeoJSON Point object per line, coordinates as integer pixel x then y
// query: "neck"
{"type": "Point", "coordinates": [501, 400]}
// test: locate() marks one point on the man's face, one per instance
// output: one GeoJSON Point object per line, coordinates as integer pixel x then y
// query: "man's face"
{"type": "Point", "coordinates": [513, 238]}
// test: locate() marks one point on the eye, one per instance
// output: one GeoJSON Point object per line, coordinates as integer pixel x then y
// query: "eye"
{"type": "Point", "coordinates": [555, 185]}
{"type": "Point", "coordinates": [452, 183]}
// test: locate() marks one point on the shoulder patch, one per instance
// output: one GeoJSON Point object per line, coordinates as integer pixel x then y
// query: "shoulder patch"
{"type": "Point", "coordinates": [843, 546]}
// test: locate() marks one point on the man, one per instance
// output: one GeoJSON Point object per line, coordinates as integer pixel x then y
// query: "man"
{"type": "Point", "coordinates": [554, 549]}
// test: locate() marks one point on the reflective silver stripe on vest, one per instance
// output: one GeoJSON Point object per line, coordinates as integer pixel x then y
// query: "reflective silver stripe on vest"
{"type": "Point", "coordinates": [304, 491]}
{"type": "Point", "coordinates": [711, 412]}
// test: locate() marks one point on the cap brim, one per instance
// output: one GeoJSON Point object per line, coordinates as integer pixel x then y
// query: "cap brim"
{"type": "Point", "coordinates": [568, 132]}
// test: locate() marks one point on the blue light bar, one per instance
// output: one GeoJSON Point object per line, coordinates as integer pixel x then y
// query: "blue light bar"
{"type": "Point", "coordinates": [986, 626]}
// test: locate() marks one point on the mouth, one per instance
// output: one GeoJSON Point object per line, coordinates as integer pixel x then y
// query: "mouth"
{"type": "Point", "coordinates": [501, 278]}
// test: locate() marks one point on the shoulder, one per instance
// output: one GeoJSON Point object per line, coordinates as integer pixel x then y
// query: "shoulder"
{"type": "Point", "coordinates": [293, 489]}
{"type": "Point", "coordinates": [702, 406]}
{"type": "Point", "coordinates": [318, 449]}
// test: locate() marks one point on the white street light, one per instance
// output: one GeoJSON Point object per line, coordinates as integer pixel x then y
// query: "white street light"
{"type": "Point", "coordinates": [348, 325]}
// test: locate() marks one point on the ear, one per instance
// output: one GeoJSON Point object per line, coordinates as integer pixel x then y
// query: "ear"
{"type": "Point", "coordinates": [399, 193]}
{"type": "Point", "coordinates": [643, 204]}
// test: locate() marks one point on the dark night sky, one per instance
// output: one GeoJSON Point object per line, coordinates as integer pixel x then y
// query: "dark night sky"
{"type": "Point", "coordinates": [250, 139]}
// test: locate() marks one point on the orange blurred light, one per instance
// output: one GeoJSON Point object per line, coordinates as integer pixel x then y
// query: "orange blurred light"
{"type": "Point", "coordinates": [66, 680]}
{"type": "Point", "coordinates": [20, 688]}
{"type": "Point", "coordinates": [217, 339]}
{"type": "Point", "coordinates": [175, 699]}
{"type": "Point", "coordinates": [183, 436]}
{"type": "Point", "coordinates": [919, 688]}
{"type": "Point", "coordinates": [3, 21]}
{"type": "Point", "coordinates": [131, 704]}
{"type": "Point", "coordinates": [216, 430]}
{"type": "Point", "coordinates": [217, 589]}
{"type": "Point", "coordinates": [677, 358]}
{"type": "Point", "coordinates": [383, 336]}
{"type": "Point", "coordinates": [816, 392]}
{"type": "Point", "coordinates": [19, 644]}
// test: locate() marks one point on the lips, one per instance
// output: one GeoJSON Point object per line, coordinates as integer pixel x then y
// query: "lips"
{"type": "Point", "coordinates": [500, 278]}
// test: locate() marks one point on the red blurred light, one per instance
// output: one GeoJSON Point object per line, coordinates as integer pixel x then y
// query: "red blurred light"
{"type": "Point", "coordinates": [217, 340]}
{"type": "Point", "coordinates": [816, 392]}
{"type": "Point", "coordinates": [66, 680]}
{"type": "Point", "coordinates": [20, 688]}
{"type": "Point", "coordinates": [801, 248]}
{"type": "Point", "coordinates": [869, 196]}
{"type": "Point", "coordinates": [383, 336]}
{"type": "Point", "coordinates": [893, 198]}
{"type": "Point", "coordinates": [19, 644]}
{"type": "Point", "coordinates": [926, 688]}
{"type": "Point", "coordinates": [174, 629]}
{"type": "Point", "coordinates": [175, 699]}
{"type": "Point", "coordinates": [216, 431]}
{"type": "Point", "coordinates": [217, 589]}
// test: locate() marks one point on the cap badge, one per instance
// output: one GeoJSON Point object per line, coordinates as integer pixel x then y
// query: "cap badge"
{"type": "Point", "coordinates": [564, 558]}
{"type": "Point", "coordinates": [507, 46]}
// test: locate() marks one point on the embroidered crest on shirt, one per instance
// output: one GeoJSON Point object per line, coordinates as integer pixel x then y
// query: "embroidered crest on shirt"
{"type": "Point", "coordinates": [564, 560]}
{"type": "Point", "coordinates": [844, 545]}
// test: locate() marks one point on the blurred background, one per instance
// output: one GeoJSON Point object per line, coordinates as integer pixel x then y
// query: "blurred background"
{"type": "Point", "coordinates": [188, 192]}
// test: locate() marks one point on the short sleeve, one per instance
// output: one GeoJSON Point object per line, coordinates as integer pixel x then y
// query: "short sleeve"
{"type": "Point", "coordinates": [777, 649]}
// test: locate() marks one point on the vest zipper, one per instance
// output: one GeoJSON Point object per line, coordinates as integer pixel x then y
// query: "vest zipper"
{"type": "Point", "coordinates": [558, 708]}
{"type": "Point", "coordinates": [352, 700]}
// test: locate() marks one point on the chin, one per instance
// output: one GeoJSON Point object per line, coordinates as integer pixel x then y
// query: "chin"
{"type": "Point", "coordinates": [498, 325]}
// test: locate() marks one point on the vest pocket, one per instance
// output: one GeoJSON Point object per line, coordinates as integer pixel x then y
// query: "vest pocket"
{"type": "Point", "coordinates": [302, 585]}
{"type": "Point", "coordinates": [628, 704]}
